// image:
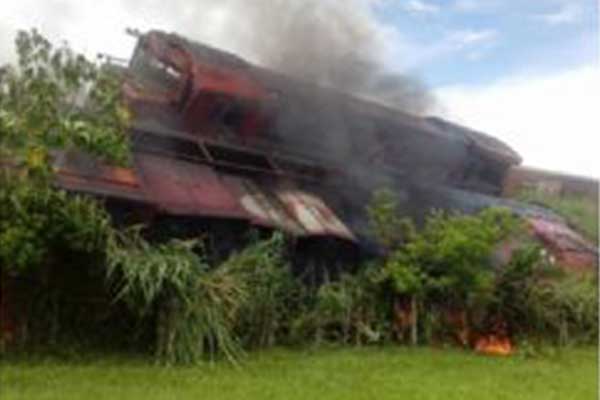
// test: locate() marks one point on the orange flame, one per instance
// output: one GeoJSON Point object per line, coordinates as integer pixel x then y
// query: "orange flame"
{"type": "Point", "coordinates": [494, 345]}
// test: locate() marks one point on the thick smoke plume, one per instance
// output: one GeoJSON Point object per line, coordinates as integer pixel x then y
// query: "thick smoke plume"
{"type": "Point", "coordinates": [331, 42]}
{"type": "Point", "coordinates": [339, 43]}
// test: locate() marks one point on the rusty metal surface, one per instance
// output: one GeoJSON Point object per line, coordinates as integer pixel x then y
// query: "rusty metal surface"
{"type": "Point", "coordinates": [312, 213]}
{"type": "Point", "coordinates": [262, 207]}
{"type": "Point", "coordinates": [105, 181]}
{"type": "Point", "coordinates": [218, 135]}
{"type": "Point", "coordinates": [183, 188]}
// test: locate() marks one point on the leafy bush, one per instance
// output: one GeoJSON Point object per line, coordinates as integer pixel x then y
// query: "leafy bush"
{"type": "Point", "coordinates": [39, 224]}
{"type": "Point", "coordinates": [40, 113]}
{"type": "Point", "coordinates": [352, 310]}
{"type": "Point", "coordinates": [53, 100]}
{"type": "Point", "coordinates": [52, 246]}
{"type": "Point", "coordinates": [390, 230]}
{"type": "Point", "coordinates": [196, 307]}
{"type": "Point", "coordinates": [564, 310]}
{"type": "Point", "coordinates": [267, 280]}
{"type": "Point", "coordinates": [540, 301]}
{"type": "Point", "coordinates": [448, 264]}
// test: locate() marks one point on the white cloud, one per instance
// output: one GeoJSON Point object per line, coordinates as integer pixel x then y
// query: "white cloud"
{"type": "Point", "coordinates": [567, 14]}
{"type": "Point", "coordinates": [471, 37]}
{"type": "Point", "coordinates": [99, 26]}
{"type": "Point", "coordinates": [421, 7]}
{"type": "Point", "coordinates": [89, 28]}
{"type": "Point", "coordinates": [552, 121]}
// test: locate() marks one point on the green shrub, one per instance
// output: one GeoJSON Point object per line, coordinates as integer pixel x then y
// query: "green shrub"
{"type": "Point", "coordinates": [196, 306]}
{"type": "Point", "coordinates": [564, 310]}
{"type": "Point", "coordinates": [542, 302]}
{"type": "Point", "coordinates": [448, 264]}
{"type": "Point", "coordinates": [352, 310]}
{"type": "Point", "coordinates": [387, 227]}
{"type": "Point", "coordinates": [262, 267]}
{"type": "Point", "coordinates": [38, 224]}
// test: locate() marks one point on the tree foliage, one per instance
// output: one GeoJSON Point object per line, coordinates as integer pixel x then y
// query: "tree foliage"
{"type": "Point", "coordinates": [386, 225]}
{"type": "Point", "coordinates": [55, 99]}
{"type": "Point", "coordinates": [540, 301]}
{"type": "Point", "coordinates": [39, 224]}
{"type": "Point", "coordinates": [52, 100]}
{"type": "Point", "coordinates": [451, 256]}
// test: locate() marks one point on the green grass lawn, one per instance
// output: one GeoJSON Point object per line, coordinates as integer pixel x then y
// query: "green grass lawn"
{"type": "Point", "coordinates": [370, 373]}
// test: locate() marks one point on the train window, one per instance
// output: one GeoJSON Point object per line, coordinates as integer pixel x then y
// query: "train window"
{"type": "Point", "coordinates": [238, 158]}
{"type": "Point", "coordinates": [165, 145]}
{"type": "Point", "coordinates": [233, 116]}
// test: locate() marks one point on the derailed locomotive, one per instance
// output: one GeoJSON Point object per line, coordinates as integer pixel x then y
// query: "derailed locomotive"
{"type": "Point", "coordinates": [223, 145]}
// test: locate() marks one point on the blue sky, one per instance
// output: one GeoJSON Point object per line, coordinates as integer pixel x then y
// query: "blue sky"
{"type": "Point", "coordinates": [476, 42]}
{"type": "Point", "coordinates": [525, 71]}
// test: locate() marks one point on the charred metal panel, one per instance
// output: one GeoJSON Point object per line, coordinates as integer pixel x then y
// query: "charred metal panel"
{"type": "Point", "coordinates": [486, 144]}
{"type": "Point", "coordinates": [569, 248]}
{"type": "Point", "coordinates": [215, 137]}
{"type": "Point", "coordinates": [263, 207]}
{"type": "Point", "coordinates": [228, 98]}
{"type": "Point", "coordinates": [183, 188]}
{"type": "Point", "coordinates": [313, 214]}
{"type": "Point", "coordinates": [101, 186]}
{"type": "Point", "coordinates": [195, 190]}
{"type": "Point", "coordinates": [78, 173]}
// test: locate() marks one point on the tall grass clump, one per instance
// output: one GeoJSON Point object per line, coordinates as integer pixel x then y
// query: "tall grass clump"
{"type": "Point", "coordinates": [264, 271]}
{"type": "Point", "coordinates": [195, 306]}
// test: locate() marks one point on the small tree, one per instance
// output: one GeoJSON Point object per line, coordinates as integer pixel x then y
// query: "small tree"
{"type": "Point", "coordinates": [393, 232]}
{"type": "Point", "coordinates": [449, 261]}
{"type": "Point", "coordinates": [455, 251]}
{"type": "Point", "coordinates": [387, 226]}
{"type": "Point", "coordinates": [408, 279]}
{"type": "Point", "coordinates": [41, 111]}
{"type": "Point", "coordinates": [53, 100]}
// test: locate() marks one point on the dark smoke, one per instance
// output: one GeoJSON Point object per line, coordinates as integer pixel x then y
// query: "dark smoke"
{"type": "Point", "coordinates": [333, 43]}
{"type": "Point", "coordinates": [336, 43]}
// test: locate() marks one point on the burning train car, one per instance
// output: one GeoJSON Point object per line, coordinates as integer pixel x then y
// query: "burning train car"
{"type": "Point", "coordinates": [224, 144]}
